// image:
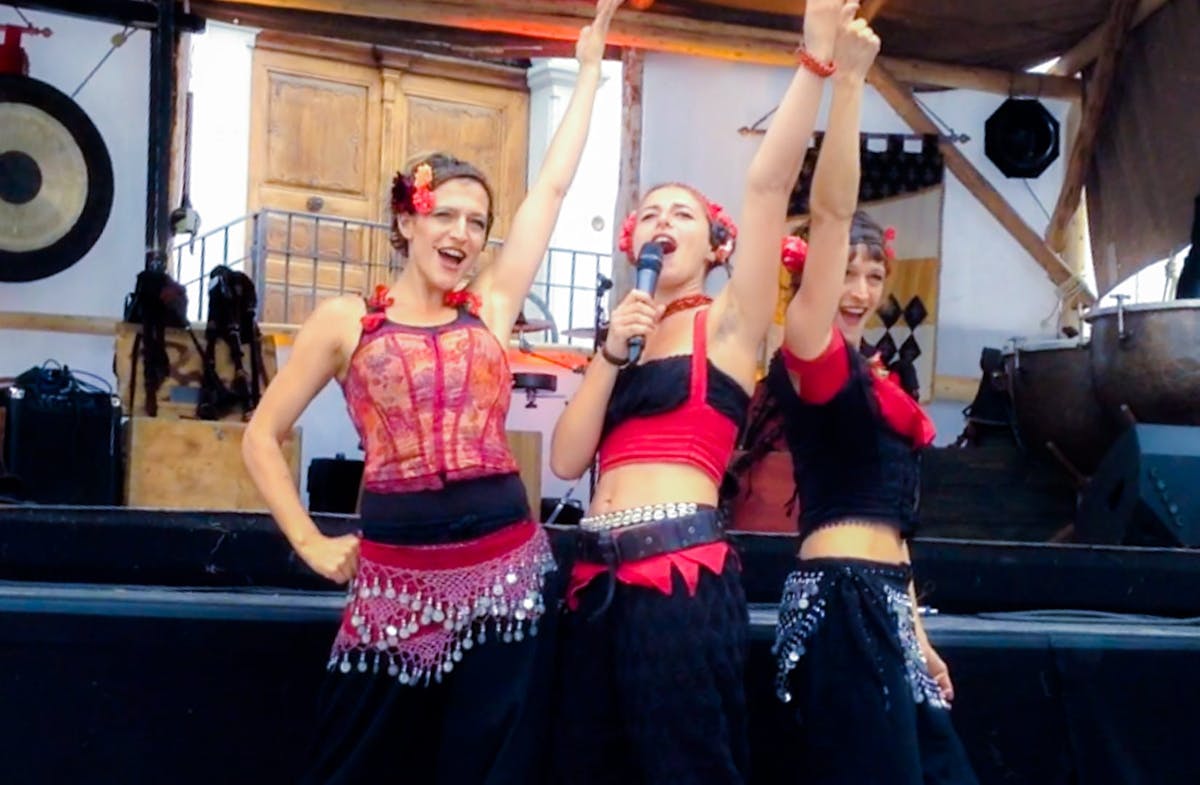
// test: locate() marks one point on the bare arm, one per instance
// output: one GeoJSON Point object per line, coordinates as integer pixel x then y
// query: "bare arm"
{"type": "Point", "coordinates": [834, 199]}
{"type": "Point", "coordinates": [316, 358]}
{"type": "Point", "coordinates": [507, 280]}
{"type": "Point", "coordinates": [770, 180]}
{"type": "Point", "coordinates": [577, 432]}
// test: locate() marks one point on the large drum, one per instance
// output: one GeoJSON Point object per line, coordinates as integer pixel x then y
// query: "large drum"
{"type": "Point", "coordinates": [1056, 408]}
{"type": "Point", "coordinates": [1147, 357]}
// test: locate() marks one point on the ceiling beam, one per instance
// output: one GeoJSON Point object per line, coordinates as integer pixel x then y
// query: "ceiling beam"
{"type": "Point", "coordinates": [1117, 27]}
{"type": "Point", "coordinates": [515, 30]}
{"type": "Point", "coordinates": [988, 80]}
{"type": "Point", "coordinates": [900, 98]}
{"type": "Point", "coordinates": [1089, 49]}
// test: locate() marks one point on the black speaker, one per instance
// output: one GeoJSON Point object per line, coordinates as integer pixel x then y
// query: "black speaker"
{"type": "Point", "coordinates": [1146, 491]}
{"type": "Point", "coordinates": [1021, 138]}
{"type": "Point", "coordinates": [65, 447]}
{"type": "Point", "coordinates": [333, 484]}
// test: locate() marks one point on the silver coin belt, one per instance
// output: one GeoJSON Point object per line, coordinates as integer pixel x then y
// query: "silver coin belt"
{"type": "Point", "coordinates": [924, 687]}
{"type": "Point", "coordinates": [415, 625]}
{"type": "Point", "coordinates": [801, 610]}
{"type": "Point", "coordinates": [637, 515]}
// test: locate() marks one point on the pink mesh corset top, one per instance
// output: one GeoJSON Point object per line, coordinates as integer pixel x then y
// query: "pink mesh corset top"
{"type": "Point", "coordinates": [429, 404]}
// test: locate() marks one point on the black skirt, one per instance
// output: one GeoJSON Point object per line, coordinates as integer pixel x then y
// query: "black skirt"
{"type": "Point", "coordinates": [850, 668]}
{"type": "Point", "coordinates": [651, 689]}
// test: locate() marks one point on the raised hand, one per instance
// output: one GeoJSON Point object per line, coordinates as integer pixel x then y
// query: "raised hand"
{"type": "Point", "coordinates": [822, 20]}
{"type": "Point", "coordinates": [589, 49]}
{"type": "Point", "coordinates": [855, 49]}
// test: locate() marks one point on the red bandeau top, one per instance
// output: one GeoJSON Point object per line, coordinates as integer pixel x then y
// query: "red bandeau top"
{"type": "Point", "coordinates": [694, 434]}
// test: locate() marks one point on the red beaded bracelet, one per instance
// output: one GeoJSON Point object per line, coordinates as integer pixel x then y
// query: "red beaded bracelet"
{"type": "Point", "coordinates": [813, 64]}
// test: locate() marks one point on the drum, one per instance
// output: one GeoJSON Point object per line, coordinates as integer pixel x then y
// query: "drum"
{"type": "Point", "coordinates": [1147, 357]}
{"type": "Point", "coordinates": [1057, 411]}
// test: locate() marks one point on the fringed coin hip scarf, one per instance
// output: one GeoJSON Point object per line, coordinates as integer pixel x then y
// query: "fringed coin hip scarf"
{"type": "Point", "coordinates": [415, 611]}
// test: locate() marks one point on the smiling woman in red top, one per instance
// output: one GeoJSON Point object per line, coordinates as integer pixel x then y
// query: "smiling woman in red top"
{"type": "Point", "coordinates": [653, 652]}
{"type": "Point", "coordinates": [870, 694]}
{"type": "Point", "coordinates": [438, 674]}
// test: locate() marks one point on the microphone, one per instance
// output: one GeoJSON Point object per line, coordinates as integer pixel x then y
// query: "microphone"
{"type": "Point", "coordinates": [649, 265]}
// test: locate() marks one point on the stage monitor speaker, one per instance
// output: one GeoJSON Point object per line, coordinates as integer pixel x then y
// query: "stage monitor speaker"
{"type": "Point", "coordinates": [1021, 138]}
{"type": "Point", "coordinates": [1146, 491]}
{"type": "Point", "coordinates": [66, 449]}
{"type": "Point", "coordinates": [333, 484]}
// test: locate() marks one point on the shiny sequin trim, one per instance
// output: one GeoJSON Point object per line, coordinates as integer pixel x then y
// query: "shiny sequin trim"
{"type": "Point", "coordinates": [800, 613]}
{"type": "Point", "coordinates": [416, 625]}
{"type": "Point", "coordinates": [924, 687]}
{"type": "Point", "coordinates": [631, 517]}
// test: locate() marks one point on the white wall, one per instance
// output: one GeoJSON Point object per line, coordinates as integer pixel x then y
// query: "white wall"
{"type": "Point", "coordinates": [991, 289]}
{"type": "Point", "coordinates": [116, 99]}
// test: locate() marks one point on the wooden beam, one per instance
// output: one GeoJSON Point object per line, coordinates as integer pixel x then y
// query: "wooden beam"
{"type": "Point", "coordinates": [630, 182]}
{"type": "Point", "coordinates": [988, 80]}
{"type": "Point", "coordinates": [135, 13]}
{"type": "Point", "coordinates": [900, 98]}
{"type": "Point", "coordinates": [1090, 48]}
{"type": "Point", "coordinates": [1117, 29]}
{"type": "Point", "coordinates": [560, 20]}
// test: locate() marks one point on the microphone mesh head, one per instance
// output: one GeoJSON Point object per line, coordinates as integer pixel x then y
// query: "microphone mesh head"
{"type": "Point", "coordinates": [650, 257]}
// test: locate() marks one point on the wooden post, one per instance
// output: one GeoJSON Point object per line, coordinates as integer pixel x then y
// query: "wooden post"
{"type": "Point", "coordinates": [633, 63]}
{"type": "Point", "coordinates": [1116, 30]}
{"type": "Point", "coordinates": [1076, 252]}
{"type": "Point", "coordinates": [900, 98]}
{"type": "Point", "coordinates": [1089, 49]}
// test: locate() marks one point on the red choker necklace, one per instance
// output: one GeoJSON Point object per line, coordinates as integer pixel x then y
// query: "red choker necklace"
{"type": "Point", "coordinates": [686, 303]}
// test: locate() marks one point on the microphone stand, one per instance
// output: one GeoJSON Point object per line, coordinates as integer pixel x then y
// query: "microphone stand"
{"type": "Point", "coordinates": [603, 284]}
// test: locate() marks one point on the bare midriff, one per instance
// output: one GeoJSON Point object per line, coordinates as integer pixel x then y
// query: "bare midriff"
{"type": "Point", "coordinates": [855, 539]}
{"type": "Point", "coordinates": [638, 484]}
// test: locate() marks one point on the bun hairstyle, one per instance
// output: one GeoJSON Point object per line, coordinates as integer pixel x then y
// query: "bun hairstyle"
{"type": "Point", "coordinates": [722, 230]}
{"type": "Point", "coordinates": [411, 196]}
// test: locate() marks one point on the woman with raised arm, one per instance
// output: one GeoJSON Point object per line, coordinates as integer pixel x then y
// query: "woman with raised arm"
{"type": "Point", "coordinates": [654, 643]}
{"type": "Point", "coordinates": [437, 673]}
{"type": "Point", "coordinates": [870, 693]}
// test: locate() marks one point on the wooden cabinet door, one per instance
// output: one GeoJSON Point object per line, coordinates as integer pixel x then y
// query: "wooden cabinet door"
{"type": "Point", "coordinates": [315, 149]}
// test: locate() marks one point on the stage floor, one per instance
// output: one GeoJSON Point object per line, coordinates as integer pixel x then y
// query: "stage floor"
{"type": "Point", "coordinates": [143, 684]}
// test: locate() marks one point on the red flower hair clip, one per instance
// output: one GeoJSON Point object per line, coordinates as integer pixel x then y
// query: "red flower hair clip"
{"type": "Point", "coordinates": [463, 298]}
{"type": "Point", "coordinates": [413, 194]}
{"type": "Point", "coordinates": [794, 253]}
{"type": "Point", "coordinates": [889, 235]}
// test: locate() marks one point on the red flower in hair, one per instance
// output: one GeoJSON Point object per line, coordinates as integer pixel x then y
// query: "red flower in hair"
{"type": "Point", "coordinates": [889, 235]}
{"type": "Point", "coordinates": [412, 194]}
{"type": "Point", "coordinates": [463, 298]}
{"type": "Point", "coordinates": [726, 231]}
{"type": "Point", "coordinates": [794, 253]}
{"type": "Point", "coordinates": [625, 239]}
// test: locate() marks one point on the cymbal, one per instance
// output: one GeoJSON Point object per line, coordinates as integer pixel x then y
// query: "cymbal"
{"type": "Point", "coordinates": [531, 326]}
{"type": "Point", "coordinates": [584, 332]}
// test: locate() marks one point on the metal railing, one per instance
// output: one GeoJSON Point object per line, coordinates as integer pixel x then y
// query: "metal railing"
{"type": "Point", "coordinates": [296, 259]}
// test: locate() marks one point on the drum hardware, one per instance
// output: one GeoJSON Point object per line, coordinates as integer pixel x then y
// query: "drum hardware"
{"type": "Point", "coordinates": [533, 383]}
{"type": "Point", "coordinates": [525, 347]}
{"type": "Point", "coordinates": [563, 501]}
{"type": "Point", "coordinates": [523, 325]}
{"type": "Point", "coordinates": [1122, 333]}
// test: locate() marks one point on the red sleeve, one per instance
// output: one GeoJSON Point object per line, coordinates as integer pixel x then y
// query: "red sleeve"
{"type": "Point", "coordinates": [823, 376]}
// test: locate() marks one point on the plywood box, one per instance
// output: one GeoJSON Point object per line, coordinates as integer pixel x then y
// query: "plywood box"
{"type": "Point", "coordinates": [187, 371]}
{"type": "Point", "coordinates": [193, 465]}
{"type": "Point", "coordinates": [527, 449]}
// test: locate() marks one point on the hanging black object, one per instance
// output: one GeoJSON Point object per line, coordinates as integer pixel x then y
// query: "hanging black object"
{"type": "Point", "coordinates": [56, 180]}
{"type": "Point", "coordinates": [1021, 138]}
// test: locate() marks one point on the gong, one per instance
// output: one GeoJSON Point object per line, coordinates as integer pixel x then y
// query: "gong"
{"type": "Point", "coordinates": [56, 180]}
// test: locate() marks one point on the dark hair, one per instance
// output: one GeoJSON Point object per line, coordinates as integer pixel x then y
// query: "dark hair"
{"type": "Point", "coordinates": [445, 167]}
{"type": "Point", "coordinates": [865, 230]}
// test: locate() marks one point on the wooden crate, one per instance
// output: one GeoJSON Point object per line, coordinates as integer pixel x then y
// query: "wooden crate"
{"type": "Point", "coordinates": [193, 465]}
{"type": "Point", "coordinates": [187, 371]}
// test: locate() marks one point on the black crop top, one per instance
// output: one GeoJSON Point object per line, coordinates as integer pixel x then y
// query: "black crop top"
{"type": "Point", "coordinates": [849, 465]}
{"type": "Point", "coordinates": [660, 386]}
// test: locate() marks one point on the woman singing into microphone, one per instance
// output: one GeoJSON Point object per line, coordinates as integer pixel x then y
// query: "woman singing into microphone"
{"type": "Point", "coordinates": [655, 643]}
